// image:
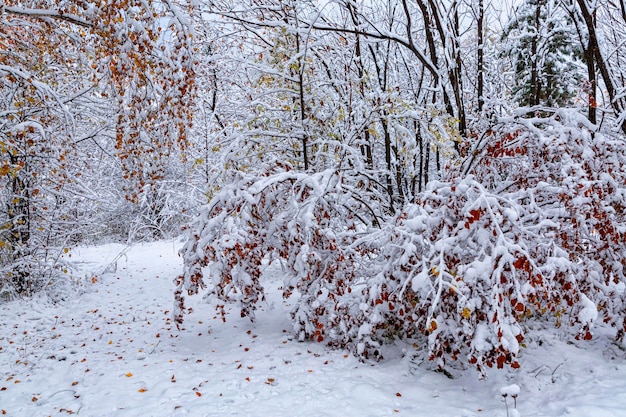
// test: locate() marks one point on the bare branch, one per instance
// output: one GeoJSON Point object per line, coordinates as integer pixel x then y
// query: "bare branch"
{"type": "Point", "coordinates": [44, 13]}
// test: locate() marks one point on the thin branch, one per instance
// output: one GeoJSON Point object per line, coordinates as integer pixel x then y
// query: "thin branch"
{"type": "Point", "coordinates": [43, 13]}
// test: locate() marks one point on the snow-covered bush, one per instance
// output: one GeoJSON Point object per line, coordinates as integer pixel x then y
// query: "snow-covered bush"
{"type": "Point", "coordinates": [574, 179]}
{"type": "Point", "coordinates": [308, 221]}
{"type": "Point", "coordinates": [531, 227]}
{"type": "Point", "coordinates": [460, 268]}
{"type": "Point", "coordinates": [534, 230]}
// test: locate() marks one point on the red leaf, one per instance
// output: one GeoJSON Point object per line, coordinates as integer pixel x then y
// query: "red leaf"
{"type": "Point", "coordinates": [475, 215]}
{"type": "Point", "coordinates": [501, 360]}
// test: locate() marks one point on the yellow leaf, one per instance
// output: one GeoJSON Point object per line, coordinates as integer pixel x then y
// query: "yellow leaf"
{"type": "Point", "coordinates": [466, 313]}
{"type": "Point", "coordinates": [128, 375]}
{"type": "Point", "coordinates": [434, 271]}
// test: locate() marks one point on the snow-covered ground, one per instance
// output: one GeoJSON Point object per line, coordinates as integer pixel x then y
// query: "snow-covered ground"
{"type": "Point", "coordinates": [111, 350]}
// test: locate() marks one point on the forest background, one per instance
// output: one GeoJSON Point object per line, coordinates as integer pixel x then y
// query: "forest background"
{"type": "Point", "coordinates": [439, 171]}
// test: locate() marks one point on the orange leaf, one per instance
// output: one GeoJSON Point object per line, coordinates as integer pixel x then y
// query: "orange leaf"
{"type": "Point", "coordinates": [128, 375]}
{"type": "Point", "coordinates": [433, 326]}
{"type": "Point", "coordinates": [198, 393]}
{"type": "Point", "coordinates": [142, 390]}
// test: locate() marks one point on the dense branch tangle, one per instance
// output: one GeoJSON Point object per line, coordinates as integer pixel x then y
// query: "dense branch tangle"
{"type": "Point", "coordinates": [62, 67]}
{"type": "Point", "coordinates": [144, 52]}
{"type": "Point", "coordinates": [328, 81]}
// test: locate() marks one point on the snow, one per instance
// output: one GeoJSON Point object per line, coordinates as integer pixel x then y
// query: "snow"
{"type": "Point", "coordinates": [512, 390]}
{"type": "Point", "coordinates": [111, 350]}
{"type": "Point", "coordinates": [589, 311]}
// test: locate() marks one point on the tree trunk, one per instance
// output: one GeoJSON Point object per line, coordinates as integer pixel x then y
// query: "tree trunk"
{"type": "Point", "coordinates": [535, 88]}
{"type": "Point", "coordinates": [481, 57]}
{"type": "Point", "coordinates": [594, 46]}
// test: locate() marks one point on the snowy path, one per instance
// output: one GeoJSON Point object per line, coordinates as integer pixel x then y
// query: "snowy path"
{"type": "Point", "coordinates": [113, 352]}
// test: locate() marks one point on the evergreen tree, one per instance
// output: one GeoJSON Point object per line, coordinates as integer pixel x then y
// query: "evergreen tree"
{"type": "Point", "coordinates": [541, 41]}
